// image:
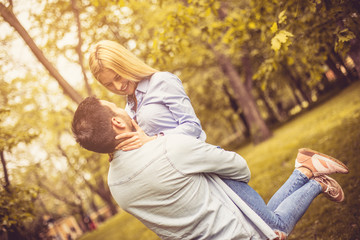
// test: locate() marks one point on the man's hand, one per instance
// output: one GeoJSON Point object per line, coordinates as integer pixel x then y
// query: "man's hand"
{"type": "Point", "coordinates": [133, 140]}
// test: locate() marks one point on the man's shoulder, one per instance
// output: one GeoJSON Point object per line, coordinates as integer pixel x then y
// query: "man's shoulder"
{"type": "Point", "coordinates": [181, 139]}
{"type": "Point", "coordinates": [127, 164]}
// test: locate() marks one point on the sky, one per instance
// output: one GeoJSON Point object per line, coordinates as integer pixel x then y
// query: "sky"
{"type": "Point", "coordinates": [21, 53]}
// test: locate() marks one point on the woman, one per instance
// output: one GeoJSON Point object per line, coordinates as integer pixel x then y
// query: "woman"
{"type": "Point", "coordinates": [148, 91]}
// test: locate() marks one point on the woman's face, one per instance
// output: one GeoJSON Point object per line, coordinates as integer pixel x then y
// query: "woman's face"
{"type": "Point", "coordinates": [115, 83]}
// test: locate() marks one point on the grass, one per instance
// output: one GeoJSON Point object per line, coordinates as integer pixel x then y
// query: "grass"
{"type": "Point", "coordinates": [122, 226]}
{"type": "Point", "coordinates": [333, 128]}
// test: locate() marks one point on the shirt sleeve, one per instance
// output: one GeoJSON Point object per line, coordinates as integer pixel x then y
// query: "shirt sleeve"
{"type": "Point", "coordinates": [192, 156]}
{"type": "Point", "coordinates": [178, 103]}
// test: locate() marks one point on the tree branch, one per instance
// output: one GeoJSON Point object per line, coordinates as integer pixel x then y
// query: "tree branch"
{"type": "Point", "coordinates": [10, 18]}
{"type": "Point", "coordinates": [75, 10]}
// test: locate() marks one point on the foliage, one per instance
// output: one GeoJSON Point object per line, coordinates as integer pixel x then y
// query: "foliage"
{"type": "Point", "coordinates": [280, 36]}
{"type": "Point", "coordinates": [17, 207]}
{"type": "Point", "coordinates": [12, 129]}
{"type": "Point", "coordinates": [306, 32]}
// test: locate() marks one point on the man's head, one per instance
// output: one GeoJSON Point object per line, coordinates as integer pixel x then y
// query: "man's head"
{"type": "Point", "coordinates": [97, 122]}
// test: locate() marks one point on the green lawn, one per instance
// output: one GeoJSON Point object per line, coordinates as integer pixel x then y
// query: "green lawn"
{"type": "Point", "coordinates": [123, 226]}
{"type": "Point", "coordinates": [332, 128]}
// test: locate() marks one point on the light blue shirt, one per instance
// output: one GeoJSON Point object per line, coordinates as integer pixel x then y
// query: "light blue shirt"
{"type": "Point", "coordinates": [167, 185]}
{"type": "Point", "coordinates": [164, 107]}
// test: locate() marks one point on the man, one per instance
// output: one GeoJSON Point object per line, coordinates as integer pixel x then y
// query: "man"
{"type": "Point", "coordinates": [171, 183]}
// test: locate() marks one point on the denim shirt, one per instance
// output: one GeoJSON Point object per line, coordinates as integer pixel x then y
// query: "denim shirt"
{"type": "Point", "coordinates": [167, 185]}
{"type": "Point", "coordinates": [164, 107]}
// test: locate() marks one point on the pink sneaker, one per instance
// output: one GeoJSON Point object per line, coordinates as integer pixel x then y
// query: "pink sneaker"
{"type": "Point", "coordinates": [319, 163]}
{"type": "Point", "coordinates": [333, 189]}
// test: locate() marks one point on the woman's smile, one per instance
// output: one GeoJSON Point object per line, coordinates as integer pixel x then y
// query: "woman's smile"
{"type": "Point", "coordinates": [124, 87]}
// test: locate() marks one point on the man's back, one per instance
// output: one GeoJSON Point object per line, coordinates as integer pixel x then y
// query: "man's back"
{"type": "Point", "coordinates": [164, 184]}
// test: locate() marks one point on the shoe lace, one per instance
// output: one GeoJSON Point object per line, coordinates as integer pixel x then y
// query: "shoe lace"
{"type": "Point", "coordinates": [332, 191]}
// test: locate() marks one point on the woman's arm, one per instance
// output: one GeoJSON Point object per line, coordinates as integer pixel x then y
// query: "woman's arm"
{"type": "Point", "coordinates": [170, 87]}
{"type": "Point", "coordinates": [164, 108]}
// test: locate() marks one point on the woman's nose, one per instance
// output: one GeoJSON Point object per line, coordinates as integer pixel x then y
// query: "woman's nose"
{"type": "Point", "coordinates": [117, 85]}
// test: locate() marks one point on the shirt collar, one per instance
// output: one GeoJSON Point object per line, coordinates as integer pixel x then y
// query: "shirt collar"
{"type": "Point", "coordinates": [143, 86]}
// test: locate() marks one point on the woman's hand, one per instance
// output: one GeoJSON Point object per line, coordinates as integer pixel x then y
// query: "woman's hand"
{"type": "Point", "coordinates": [133, 140]}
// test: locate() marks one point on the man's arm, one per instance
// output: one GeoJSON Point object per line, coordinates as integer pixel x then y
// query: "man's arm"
{"type": "Point", "coordinates": [191, 156]}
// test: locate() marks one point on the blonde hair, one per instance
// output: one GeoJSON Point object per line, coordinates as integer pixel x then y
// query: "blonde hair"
{"type": "Point", "coordinates": [112, 55]}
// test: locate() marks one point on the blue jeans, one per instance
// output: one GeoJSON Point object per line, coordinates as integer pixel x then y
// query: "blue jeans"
{"type": "Point", "coordinates": [287, 205]}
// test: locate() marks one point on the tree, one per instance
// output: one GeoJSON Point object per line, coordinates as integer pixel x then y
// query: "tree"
{"type": "Point", "coordinates": [13, 21]}
{"type": "Point", "coordinates": [304, 37]}
{"type": "Point", "coordinates": [16, 207]}
{"type": "Point", "coordinates": [194, 15]}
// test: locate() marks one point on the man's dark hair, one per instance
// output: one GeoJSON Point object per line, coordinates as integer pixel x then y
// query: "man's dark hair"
{"type": "Point", "coordinates": [92, 126]}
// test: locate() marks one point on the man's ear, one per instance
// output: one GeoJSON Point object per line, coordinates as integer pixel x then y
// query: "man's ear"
{"type": "Point", "coordinates": [118, 122]}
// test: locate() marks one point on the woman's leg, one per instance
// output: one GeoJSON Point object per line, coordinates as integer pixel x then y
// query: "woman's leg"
{"type": "Point", "coordinates": [248, 195]}
{"type": "Point", "coordinates": [296, 180]}
{"type": "Point", "coordinates": [291, 209]}
{"type": "Point", "coordinates": [288, 204]}
{"type": "Point", "coordinates": [255, 201]}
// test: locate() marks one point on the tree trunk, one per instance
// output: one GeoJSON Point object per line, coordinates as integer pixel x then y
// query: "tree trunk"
{"type": "Point", "coordinates": [274, 112]}
{"type": "Point", "coordinates": [340, 77]}
{"type": "Point", "coordinates": [236, 108]}
{"type": "Point", "coordinates": [296, 84]}
{"type": "Point", "coordinates": [338, 59]}
{"type": "Point", "coordinates": [10, 18]}
{"type": "Point", "coordinates": [258, 129]}
{"type": "Point", "coordinates": [244, 98]}
{"type": "Point", "coordinates": [248, 73]}
{"type": "Point", "coordinates": [99, 188]}
{"type": "Point", "coordinates": [104, 192]}
{"type": "Point", "coordinates": [6, 176]}
{"type": "Point", "coordinates": [75, 10]}
{"type": "Point", "coordinates": [354, 53]}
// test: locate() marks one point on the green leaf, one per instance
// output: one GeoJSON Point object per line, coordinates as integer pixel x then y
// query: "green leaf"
{"type": "Point", "coordinates": [282, 17]}
{"type": "Point", "coordinates": [274, 28]}
{"type": "Point", "coordinates": [252, 25]}
{"type": "Point", "coordinates": [345, 35]}
{"type": "Point", "coordinates": [275, 44]}
{"type": "Point", "coordinates": [208, 12]}
{"type": "Point", "coordinates": [279, 39]}
{"type": "Point", "coordinates": [283, 35]}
